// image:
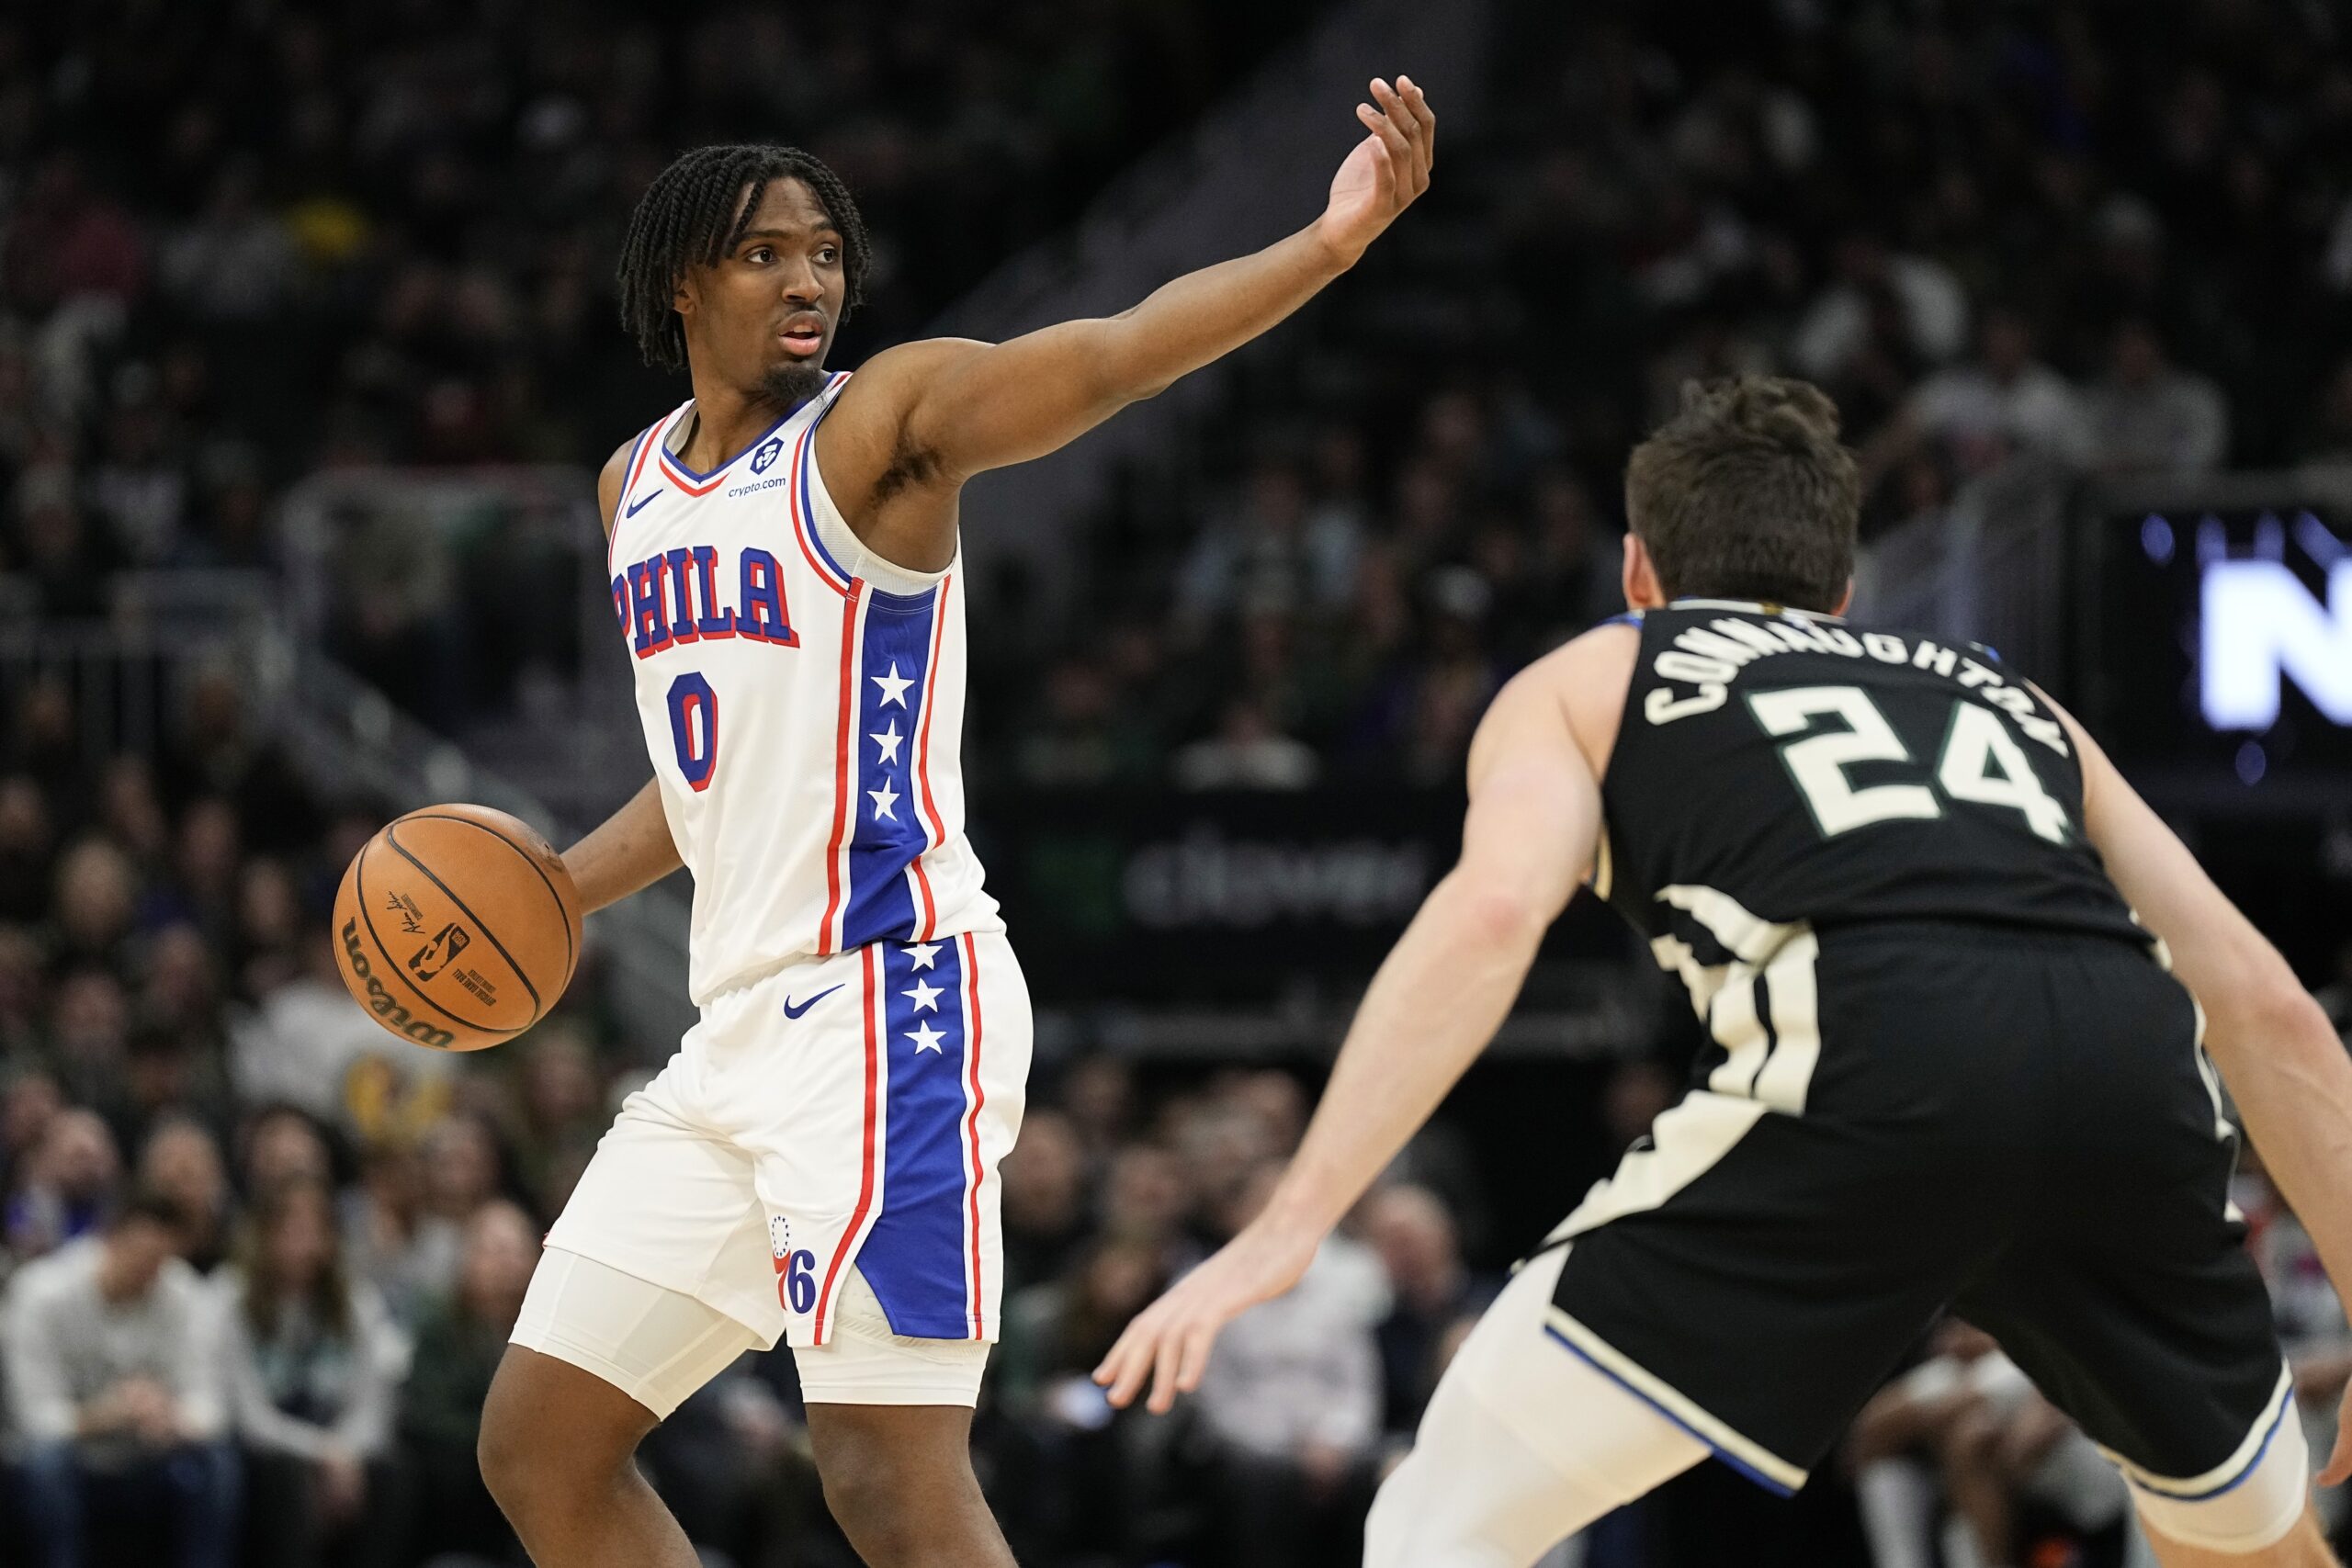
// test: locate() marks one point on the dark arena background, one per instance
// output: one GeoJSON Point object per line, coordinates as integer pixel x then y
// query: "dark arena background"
{"type": "Point", "coordinates": [308, 358]}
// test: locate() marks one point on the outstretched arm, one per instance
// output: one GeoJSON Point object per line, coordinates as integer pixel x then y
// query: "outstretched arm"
{"type": "Point", "coordinates": [2285, 1068]}
{"type": "Point", "coordinates": [929, 415]}
{"type": "Point", "coordinates": [1533, 822]}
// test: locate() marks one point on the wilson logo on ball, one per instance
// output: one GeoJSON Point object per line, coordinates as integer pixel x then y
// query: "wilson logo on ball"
{"type": "Point", "coordinates": [379, 1001]}
{"type": "Point", "coordinates": [430, 959]}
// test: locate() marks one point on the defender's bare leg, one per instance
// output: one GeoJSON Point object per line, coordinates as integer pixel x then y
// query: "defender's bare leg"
{"type": "Point", "coordinates": [2302, 1548]}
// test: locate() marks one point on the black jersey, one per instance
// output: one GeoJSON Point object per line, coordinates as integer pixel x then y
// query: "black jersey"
{"type": "Point", "coordinates": [1779, 767]}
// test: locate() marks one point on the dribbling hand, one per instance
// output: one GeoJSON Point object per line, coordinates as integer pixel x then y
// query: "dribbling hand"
{"type": "Point", "coordinates": [1167, 1344]}
{"type": "Point", "coordinates": [1386, 172]}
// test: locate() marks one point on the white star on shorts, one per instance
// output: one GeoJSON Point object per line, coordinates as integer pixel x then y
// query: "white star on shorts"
{"type": "Point", "coordinates": [888, 744]}
{"type": "Point", "coordinates": [926, 997]}
{"type": "Point", "coordinates": [884, 799]}
{"type": "Point", "coordinates": [924, 954]}
{"type": "Point", "coordinates": [926, 1038]}
{"type": "Point", "coordinates": [894, 685]}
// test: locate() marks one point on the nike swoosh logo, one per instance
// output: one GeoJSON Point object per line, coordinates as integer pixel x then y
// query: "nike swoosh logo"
{"type": "Point", "coordinates": [791, 1012]}
{"type": "Point", "coordinates": [641, 505]}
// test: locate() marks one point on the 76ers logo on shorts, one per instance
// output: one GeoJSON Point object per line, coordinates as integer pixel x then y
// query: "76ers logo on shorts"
{"type": "Point", "coordinates": [766, 453]}
{"type": "Point", "coordinates": [796, 1272]}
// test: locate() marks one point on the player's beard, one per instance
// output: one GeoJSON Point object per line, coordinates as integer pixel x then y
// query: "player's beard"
{"type": "Point", "coordinates": [791, 384]}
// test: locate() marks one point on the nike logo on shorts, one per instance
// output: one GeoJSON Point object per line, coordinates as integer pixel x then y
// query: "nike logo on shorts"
{"type": "Point", "coordinates": [791, 1012]}
{"type": "Point", "coordinates": [642, 504]}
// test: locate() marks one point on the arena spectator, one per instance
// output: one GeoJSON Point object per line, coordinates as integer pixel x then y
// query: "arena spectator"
{"type": "Point", "coordinates": [1293, 1400]}
{"type": "Point", "coordinates": [458, 1343]}
{"type": "Point", "coordinates": [114, 1390]}
{"type": "Point", "coordinates": [1433, 1293]}
{"type": "Point", "coordinates": [67, 1185]}
{"type": "Point", "coordinates": [2147, 415]}
{"type": "Point", "coordinates": [181, 1164]}
{"type": "Point", "coordinates": [312, 1363]}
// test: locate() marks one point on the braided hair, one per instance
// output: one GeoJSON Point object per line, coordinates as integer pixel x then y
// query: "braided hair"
{"type": "Point", "coordinates": [695, 211]}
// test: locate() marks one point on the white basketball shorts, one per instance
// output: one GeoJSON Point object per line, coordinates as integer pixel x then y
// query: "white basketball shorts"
{"type": "Point", "coordinates": [848, 1111]}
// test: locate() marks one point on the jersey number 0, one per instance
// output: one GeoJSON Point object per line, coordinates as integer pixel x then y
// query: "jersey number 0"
{"type": "Point", "coordinates": [1982, 764]}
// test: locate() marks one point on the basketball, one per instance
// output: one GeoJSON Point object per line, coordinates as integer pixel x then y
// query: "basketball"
{"type": "Point", "coordinates": [457, 927]}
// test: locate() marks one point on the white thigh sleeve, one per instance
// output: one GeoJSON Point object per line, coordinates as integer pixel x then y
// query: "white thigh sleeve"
{"type": "Point", "coordinates": [654, 1344]}
{"type": "Point", "coordinates": [2240, 1516]}
{"type": "Point", "coordinates": [1524, 1444]}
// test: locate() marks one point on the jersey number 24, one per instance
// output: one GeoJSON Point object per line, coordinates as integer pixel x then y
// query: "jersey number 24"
{"type": "Point", "coordinates": [1981, 764]}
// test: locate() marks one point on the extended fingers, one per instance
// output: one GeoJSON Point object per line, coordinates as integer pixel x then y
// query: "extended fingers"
{"type": "Point", "coordinates": [1122, 1372]}
{"type": "Point", "coordinates": [1419, 102]}
{"type": "Point", "coordinates": [1405, 110]}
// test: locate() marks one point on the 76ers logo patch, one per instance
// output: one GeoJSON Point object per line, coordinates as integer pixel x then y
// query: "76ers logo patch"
{"type": "Point", "coordinates": [766, 453]}
{"type": "Point", "coordinates": [796, 1272]}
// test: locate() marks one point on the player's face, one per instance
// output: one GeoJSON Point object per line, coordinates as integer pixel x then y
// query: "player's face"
{"type": "Point", "coordinates": [762, 315]}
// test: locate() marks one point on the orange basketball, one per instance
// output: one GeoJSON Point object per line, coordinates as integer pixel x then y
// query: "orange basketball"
{"type": "Point", "coordinates": [457, 927]}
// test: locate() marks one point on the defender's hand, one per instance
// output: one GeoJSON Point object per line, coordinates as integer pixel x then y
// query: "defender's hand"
{"type": "Point", "coordinates": [1168, 1342]}
{"type": "Point", "coordinates": [2338, 1469]}
{"type": "Point", "coordinates": [1386, 172]}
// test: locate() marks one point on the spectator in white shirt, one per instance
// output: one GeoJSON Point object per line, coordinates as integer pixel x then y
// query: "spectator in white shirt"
{"type": "Point", "coordinates": [313, 1362]}
{"type": "Point", "coordinates": [1980, 415]}
{"type": "Point", "coordinates": [1292, 1398]}
{"type": "Point", "coordinates": [2149, 416]}
{"type": "Point", "coordinates": [114, 1392]}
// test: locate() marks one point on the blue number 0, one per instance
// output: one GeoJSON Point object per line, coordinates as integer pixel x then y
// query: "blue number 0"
{"type": "Point", "coordinates": [690, 694]}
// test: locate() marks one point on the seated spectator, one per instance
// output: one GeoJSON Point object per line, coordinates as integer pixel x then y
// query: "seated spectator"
{"type": "Point", "coordinates": [181, 1164]}
{"type": "Point", "coordinates": [312, 1362]}
{"type": "Point", "coordinates": [1291, 1402]}
{"type": "Point", "coordinates": [1964, 1435]}
{"type": "Point", "coordinates": [1278, 551]}
{"type": "Point", "coordinates": [1246, 753]}
{"type": "Point", "coordinates": [1433, 1292]}
{"type": "Point", "coordinates": [2149, 416]}
{"type": "Point", "coordinates": [1979, 414]}
{"type": "Point", "coordinates": [113, 1389]}
{"type": "Point", "coordinates": [69, 1182]}
{"type": "Point", "coordinates": [459, 1344]}
{"type": "Point", "coordinates": [458, 1166]}
{"type": "Point", "coordinates": [1929, 307]}
{"type": "Point", "coordinates": [1045, 1198]}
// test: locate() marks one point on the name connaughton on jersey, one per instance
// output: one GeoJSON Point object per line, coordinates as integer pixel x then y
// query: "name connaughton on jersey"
{"type": "Point", "coordinates": [1796, 767]}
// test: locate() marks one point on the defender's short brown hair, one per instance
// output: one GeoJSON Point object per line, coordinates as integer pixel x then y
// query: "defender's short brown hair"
{"type": "Point", "coordinates": [1745, 493]}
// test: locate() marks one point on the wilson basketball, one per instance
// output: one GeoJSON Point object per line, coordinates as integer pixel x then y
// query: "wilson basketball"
{"type": "Point", "coordinates": [457, 927]}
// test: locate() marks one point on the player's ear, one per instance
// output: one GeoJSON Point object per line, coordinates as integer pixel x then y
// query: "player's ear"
{"type": "Point", "coordinates": [1845, 600]}
{"type": "Point", "coordinates": [1639, 577]}
{"type": "Point", "coordinates": [683, 298]}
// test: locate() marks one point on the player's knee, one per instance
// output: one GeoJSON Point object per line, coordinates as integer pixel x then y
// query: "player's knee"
{"type": "Point", "coordinates": [889, 1475]}
{"type": "Point", "coordinates": [527, 1472]}
{"type": "Point", "coordinates": [2249, 1516]}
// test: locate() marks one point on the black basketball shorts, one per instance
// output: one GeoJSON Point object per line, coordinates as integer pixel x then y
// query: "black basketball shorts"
{"type": "Point", "coordinates": [2018, 1127]}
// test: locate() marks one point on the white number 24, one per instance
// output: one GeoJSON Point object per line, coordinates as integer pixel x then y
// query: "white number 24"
{"type": "Point", "coordinates": [1982, 762]}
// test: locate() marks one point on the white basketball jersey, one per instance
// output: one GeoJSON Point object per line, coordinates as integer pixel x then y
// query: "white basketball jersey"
{"type": "Point", "coordinates": [803, 703]}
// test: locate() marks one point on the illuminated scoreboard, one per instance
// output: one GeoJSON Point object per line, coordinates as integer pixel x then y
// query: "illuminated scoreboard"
{"type": "Point", "coordinates": [2215, 648]}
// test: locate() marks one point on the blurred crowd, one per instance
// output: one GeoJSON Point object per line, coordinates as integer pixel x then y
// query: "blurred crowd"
{"type": "Point", "coordinates": [2111, 237]}
{"type": "Point", "coordinates": [258, 1259]}
{"type": "Point", "coordinates": [241, 243]}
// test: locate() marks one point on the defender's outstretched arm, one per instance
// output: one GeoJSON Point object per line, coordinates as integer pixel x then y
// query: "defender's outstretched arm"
{"type": "Point", "coordinates": [2284, 1066]}
{"type": "Point", "coordinates": [1533, 824]}
{"type": "Point", "coordinates": [935, 412]}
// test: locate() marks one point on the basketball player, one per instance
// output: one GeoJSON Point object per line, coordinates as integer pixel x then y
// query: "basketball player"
{"type": "Point", "coordinates": [819, 1159]}
{"type": "Point", "coordinates": [1947, 1067]}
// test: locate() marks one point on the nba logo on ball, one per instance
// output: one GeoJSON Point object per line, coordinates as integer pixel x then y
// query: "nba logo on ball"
{"type": "Point", "coordinates": [766, 453]}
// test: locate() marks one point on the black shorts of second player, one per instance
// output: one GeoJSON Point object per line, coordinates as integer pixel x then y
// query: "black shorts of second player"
{"type": "Point", "coordinates": [2017, 1127]}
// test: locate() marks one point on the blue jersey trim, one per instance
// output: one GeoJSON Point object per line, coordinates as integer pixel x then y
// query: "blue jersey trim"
{"type": "Point", "coordinates": [1742, 1466]}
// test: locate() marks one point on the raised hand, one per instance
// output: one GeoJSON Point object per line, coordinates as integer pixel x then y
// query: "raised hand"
{"type": "Point", "coordinates": [1386, 172]}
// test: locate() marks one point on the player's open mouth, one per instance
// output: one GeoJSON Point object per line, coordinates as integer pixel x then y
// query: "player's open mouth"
{"type": "Point", "coordinates": [803, 336]}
